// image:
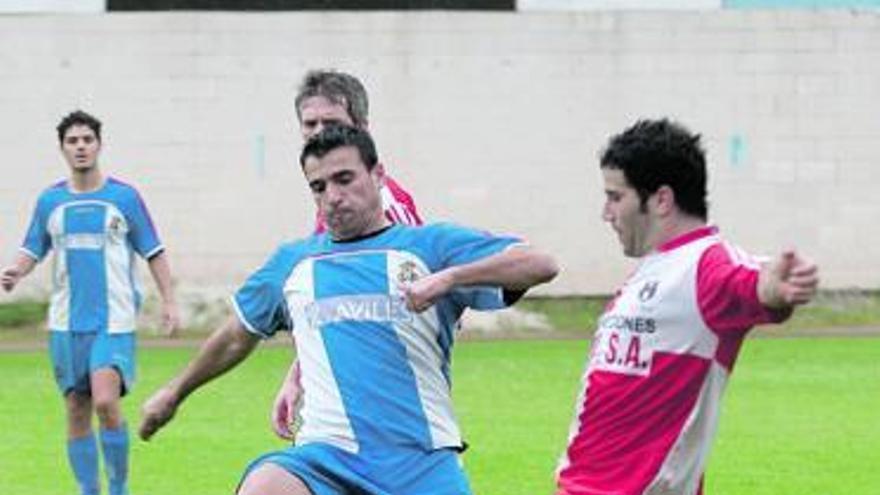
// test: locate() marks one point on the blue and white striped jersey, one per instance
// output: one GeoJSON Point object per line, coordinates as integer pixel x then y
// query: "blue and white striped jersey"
{"type": "Point", "coordinates": [94, 236]}
{"type": "Point", "coordinates": [374, 374]}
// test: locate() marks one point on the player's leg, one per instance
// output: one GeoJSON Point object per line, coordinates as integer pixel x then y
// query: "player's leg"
{"type": "Point", "coordinates": [112, 372]}
{"type": "Point", "coordinates": [82, 450]}
{"type": "Point", "coordinates": [269, 478]}
{"type": "Point", "coordinates": [69, 356]}
{"type": "Point", "coordinates": [106, 385]}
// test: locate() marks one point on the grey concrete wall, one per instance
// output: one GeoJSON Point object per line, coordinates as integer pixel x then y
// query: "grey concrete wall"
{"type": "Point", "coordinates": [492, 119]}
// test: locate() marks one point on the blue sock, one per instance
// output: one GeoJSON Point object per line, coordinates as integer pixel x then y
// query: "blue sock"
{"type": "Point", "coordinates": [83, 456]}
{"type": "Point", "coordinates": [114, 443]}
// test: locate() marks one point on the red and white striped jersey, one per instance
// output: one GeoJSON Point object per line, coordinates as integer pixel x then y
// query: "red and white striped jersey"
{"type": "Point", "coordinates": [658, 366]}
{"type": "Point", "coordinates": [399, 206]}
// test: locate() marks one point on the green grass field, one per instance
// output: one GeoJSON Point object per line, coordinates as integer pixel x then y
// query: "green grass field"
{"type": "Point", "coordinates": [801, 416]}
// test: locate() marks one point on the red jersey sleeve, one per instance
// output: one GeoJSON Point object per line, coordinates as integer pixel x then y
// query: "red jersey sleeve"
{"type": "Point", "coordinates": [400, 207]}
{"type": "Point", "coordinates": [319, 223]}
{"type": "Point", "coordinates": [727, 295]}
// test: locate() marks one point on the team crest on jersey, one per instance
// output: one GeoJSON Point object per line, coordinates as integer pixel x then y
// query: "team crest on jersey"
{"type": "Point", "coordinates": [407, 273]}
{"type": "Point", "coordinates": [115, 228]}
{"type": "Point", "coordinates": [648, 291]}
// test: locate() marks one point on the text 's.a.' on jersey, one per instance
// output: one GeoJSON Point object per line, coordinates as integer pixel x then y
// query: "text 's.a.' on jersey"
{"type": "Point", "coordinates": [374, 373]}
{"type": "Point", "coordinates": [94, 237]}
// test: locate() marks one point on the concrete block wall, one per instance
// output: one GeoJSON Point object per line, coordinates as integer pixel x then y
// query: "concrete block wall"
{"type": "Point", "coordinates": [491, 119]}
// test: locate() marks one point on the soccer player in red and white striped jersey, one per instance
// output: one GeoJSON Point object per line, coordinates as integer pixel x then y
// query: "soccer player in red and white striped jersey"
{"type": "Point", "coordinates": [667, 342]}
{"type": "Point", "coordinates": [325, 98]}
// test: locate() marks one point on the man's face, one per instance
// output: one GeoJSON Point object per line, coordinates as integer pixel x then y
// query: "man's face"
{"type": "Point", "coordinates": [623, 211]}
{"type": "Point", "coordinates": [347, 195]}
{"type": "Point", "coordinates": [80, 147]}
{"type": "Point", "coordinates": [318, 112]}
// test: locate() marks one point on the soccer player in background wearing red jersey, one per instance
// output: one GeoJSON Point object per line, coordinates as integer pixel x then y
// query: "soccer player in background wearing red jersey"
{"type": "Point", "coordinates": [666, 344]}
{"type": "Point", "coordinates": [329, 97]}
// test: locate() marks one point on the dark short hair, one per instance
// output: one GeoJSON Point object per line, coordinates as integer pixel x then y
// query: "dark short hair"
{"type": "Point", "coordinates": [338, 136]}
{"type": "Point", "coordinates": [654, 153]}
{"type": "Point", "coordinates": [78, 117]}
{"type": "Point", "coordinates": [338, 87]}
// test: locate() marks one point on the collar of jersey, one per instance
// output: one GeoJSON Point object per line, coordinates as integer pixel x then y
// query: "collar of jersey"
{"type": "Point", "coordinates": [688, 237]}
{"type": "Point", "coordinates": [372, 234]}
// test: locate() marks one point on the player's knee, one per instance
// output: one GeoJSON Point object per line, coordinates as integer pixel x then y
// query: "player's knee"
{"type": "Point", "coordinates": [79, 420]}
{"type": "Point", "coordinates": [107, 409]}
{"type": "Point", "coordinates": [78, 406]}
{"type": "Point", "coordinates": [79, 415]}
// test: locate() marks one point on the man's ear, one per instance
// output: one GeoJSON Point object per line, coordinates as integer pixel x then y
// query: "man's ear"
{"type": "Point", "coordinates": [664, 200]}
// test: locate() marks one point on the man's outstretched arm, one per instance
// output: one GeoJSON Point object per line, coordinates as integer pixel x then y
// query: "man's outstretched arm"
{"type": "Point", "coordinates": [223, 350]}
{"type": "Point", "coordinates": [517, 268]}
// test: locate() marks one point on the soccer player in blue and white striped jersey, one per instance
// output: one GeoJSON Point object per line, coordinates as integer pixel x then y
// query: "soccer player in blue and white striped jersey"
{"type": "Point", "coordinates": [330, 97]}
{"type": "Point", "coordinates": [373, 309]}
{"type": "Point", "coordinates": [95, 225]}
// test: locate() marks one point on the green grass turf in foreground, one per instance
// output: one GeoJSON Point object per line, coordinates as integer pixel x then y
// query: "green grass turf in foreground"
{"type": "Point", "coordinates": [800, 416]}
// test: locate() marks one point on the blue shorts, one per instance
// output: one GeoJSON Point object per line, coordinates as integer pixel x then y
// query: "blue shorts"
{"type": "Point", "coordinates": [329, 470]}
{"type": "Point", "coordinates": [76, 355]}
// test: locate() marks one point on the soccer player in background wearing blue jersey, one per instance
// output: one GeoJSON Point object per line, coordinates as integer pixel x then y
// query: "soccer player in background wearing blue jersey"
{"type": "Point", "coordinates": [95, 225]}
{"type": "Point", "coordinates": [373, 309]}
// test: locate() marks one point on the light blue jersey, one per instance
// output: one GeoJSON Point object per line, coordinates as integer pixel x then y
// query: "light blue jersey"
{"type": "Point", "coordinates": [374, 374]}
{"type": "Point", "coordinates": [94, 236]}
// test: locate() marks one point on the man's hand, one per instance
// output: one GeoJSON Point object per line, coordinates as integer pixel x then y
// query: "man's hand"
{"type": "Point", "coordinates": [170, 318]}
{"type": "Point", "coordinates": [157, 411]}
{"type": "Point", "coordinates": [285, 410]}
{"type": "Point", "coordinates": [223, 350]}
{"type": "Point", "coordinates": [424, 292]}
{"type": "Point", "coordinates": [9, 277]}
{"type": "Point", "coordinates": [787, 281]}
